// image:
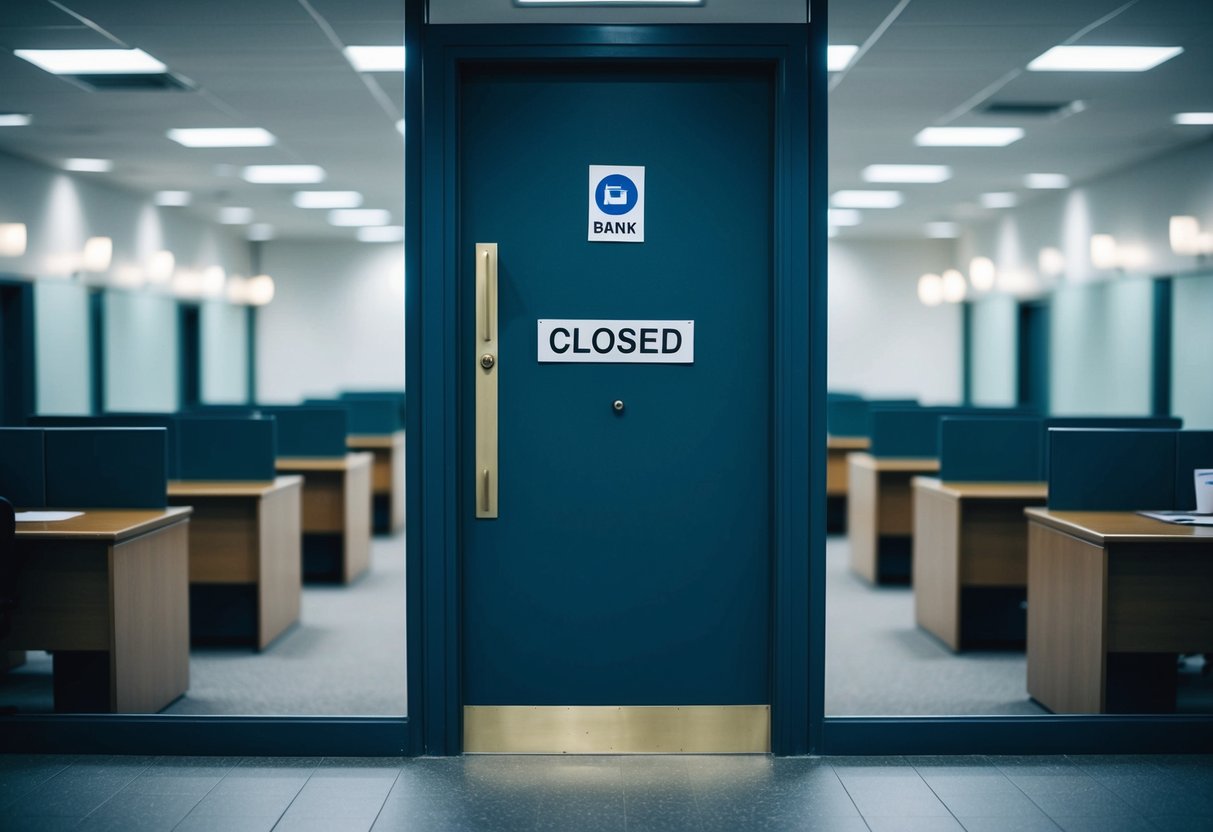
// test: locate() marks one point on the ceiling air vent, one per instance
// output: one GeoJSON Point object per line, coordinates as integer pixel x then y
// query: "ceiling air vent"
{"type": "Point", "coordinates": [131, 82]}
{"type": "Point", "coordinates": [1032, 109]}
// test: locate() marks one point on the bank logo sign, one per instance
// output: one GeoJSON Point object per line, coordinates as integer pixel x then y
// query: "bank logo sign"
{"type": "Point", "coordinates": [616, 342]}
{"type": "Point", "coordinates": [616, 204]}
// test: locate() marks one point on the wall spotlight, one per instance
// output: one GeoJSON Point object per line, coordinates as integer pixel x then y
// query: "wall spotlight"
{"type": "Point", "coordinates": [98, 252]}
{"type": "Point", "coordinates": [12, 239]}
{"type": "Point", "coordinates": [930, 289]}
{"type": "Point", "coordinates": [982, 273]}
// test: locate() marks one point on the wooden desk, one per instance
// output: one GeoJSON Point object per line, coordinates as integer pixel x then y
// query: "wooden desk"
{"type": "Point", "coordinates": [970, 559]}
{"type": "Point", "coordinates": [837, 448]}
{"type": "Point", "coordinates": [880, 517]}
{"type": "Point", "coordinates": [336, 514]}
{"type": "Point", "coordinates": [1112, 597]}
{"type": "Point", "coordinates": [243, 536]}
{"type": "Point", "coordinates": [108, 592]}
{"type": "Point", "coordinates": [387, 479]}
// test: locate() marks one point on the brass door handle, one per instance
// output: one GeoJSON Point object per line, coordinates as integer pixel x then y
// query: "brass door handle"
{"type": "Point", "coordinates": [487, 356]}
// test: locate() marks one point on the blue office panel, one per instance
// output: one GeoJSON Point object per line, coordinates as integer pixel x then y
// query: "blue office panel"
{"type": "Point", "coordinates": [1111, 469]}
{"type": "Point", "coordinates": [398, 396]}
{"type": "Point", "coordinates": [906, 432]}
{"type": "Point", "coordinates": [225, 448]}
{"type": "Point", "coordinates": [367, 416]}
{"type": "Point", "coordinates": [121, 420]}
{"type": "Point", "coordinates": [847, 417]}
{"type": "Point", "coordinates": [106, 467]}
{"type": "Point", "coordinates": [1107, 422]}
{"type": "Point", "coordinates": [990, 449]}
{"type": "Point", "coordinates": [1193, 449]}
{"type": "Point", "coordinates": [309, 431]}
{"type": "Point", "coordinates": [22, 467]}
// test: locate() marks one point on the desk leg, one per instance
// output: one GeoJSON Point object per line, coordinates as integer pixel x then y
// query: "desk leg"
{"type": "Point", "coordinates": [150, 634]}
{"type": "Point", "coordinates": [357, 531]}
{"type": "Point", "coordinates": [861, 521]}
{"type": "Point", "coordinates": [936, 564]}
{"type": "Point", "coordinates": [1067, 621]}
{"type": "Point", "coordinates": [280, 564]}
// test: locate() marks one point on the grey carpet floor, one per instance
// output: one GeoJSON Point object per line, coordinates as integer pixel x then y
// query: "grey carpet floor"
{"type": "Point", "coordinates": [879, 663]}
{"type": "Point", "coordinates": [346, 656]}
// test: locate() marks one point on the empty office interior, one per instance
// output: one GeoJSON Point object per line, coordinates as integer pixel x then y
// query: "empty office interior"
{"type": "Point", "coordinates": [1045, 276]}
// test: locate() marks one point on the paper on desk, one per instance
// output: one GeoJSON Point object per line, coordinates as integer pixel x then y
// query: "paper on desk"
{"type": "Point", "coordinates": [1181, 518]}
{"type": "Point", "coordinates": [46, 516]}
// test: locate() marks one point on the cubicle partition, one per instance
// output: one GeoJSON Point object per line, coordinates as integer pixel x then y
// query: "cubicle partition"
{"type": "Point", "coordinates": [311, 441]}
{"type": "Point", "coordinates": [376, 425]}
{"type": "Point", "coordinates": [847, 430]}
{"type": "Point", "coordinates": [103, 582]}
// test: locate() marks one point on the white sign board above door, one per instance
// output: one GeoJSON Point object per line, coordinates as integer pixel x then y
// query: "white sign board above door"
{"type": "Point", "coordinates": [616, 342]}
{"type": "Point", "coordinates": [616, 204]}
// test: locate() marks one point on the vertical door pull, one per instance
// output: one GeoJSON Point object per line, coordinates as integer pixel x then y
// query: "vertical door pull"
{"type": "Point", "coordinates": [486, 359]}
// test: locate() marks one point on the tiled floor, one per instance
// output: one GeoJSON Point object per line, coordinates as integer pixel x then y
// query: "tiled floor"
{"type": "Point", "coordinates": [607, 794]}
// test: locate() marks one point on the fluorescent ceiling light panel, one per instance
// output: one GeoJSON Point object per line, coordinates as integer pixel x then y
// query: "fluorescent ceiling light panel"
{"type": "Point", "coordinates": [375, 58]}
{"type": "Point", "coordinates": [968, 136]}
{"type": "Point", "coordinates": [381, 234]}
{"type": "Point", "coordinates": [14, 119]}
{"type": "Point", "coordinates": [92, 61]}
{"type": "Point", "coordinates": [843, 216]}
{"type": "Point", "coordinates": [327, 199]}
{"type": "Point", "coordinates": [942, 230]}
{"type": "Point", "coordinates": [866, 199]}
{"type": "Point", "coordinates": [283, 174]}
{"type": "Point", "coordinates": [839, 56]}
{"type": "Point", "coordinates": [88, 165]}
{"type": "Point", "coordinates": [222, 136]}
{"type": "Point", "coordinates": [171, 199]}
{"type": "Point", "coordinates": [1047, 180]}
{"type": "Point", "coordinates": [608, 2]}
{"type": "Point", "coordinates": [1178, 118]}
{"type": "Point", "coordinates": [235, 215]}
{"type": "Point", "coordinates": [359, 216]}
{"type": "Point", "coordinates": [928, 174]}
{"type": "Point", "coordinates": [1103, 58]}
{"type": "Point", "coordinates": [999, 199]}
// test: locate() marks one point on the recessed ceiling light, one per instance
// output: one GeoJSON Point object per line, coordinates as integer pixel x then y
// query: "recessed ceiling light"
{"type": "Point", "coordinates": [14, 119]}
{"type": "Point", "coordinates": [1193, 118]}
{"type": "Point", "coordinates": [942, 230]}
{"type": "Point", "coordinates": [359, 216]}
{"type": "Point", "coordinates": [843, 216]}
{"type": "Point", "coordinates": [171, 199]}
{"type": "Point", "coordinates": [999, 199]}
{"type": "Point", "coordinates": [866, 199]}
{"type": "Point", "coordinates": [968, 136]}
{"type": "Point", "coordinates": [907, 173]}
{"type": "Point", "coordinates": [1047, 180]}
{"type": "Point", "coordinates": [381, 234]}
{"type": "Point", "coordinates": [283, 174]}
{"type": "Point", "coordinates": [609, 2]}
{"type": "Point", "coordinates": [839, 56]}
{"type": "Point", "coordinates": [92, 61]}
{"type": "Point", "coordinates": [88, 165]}
{"type": "Point", "coordinates": [222, 136]}
{"type": "Point", "coordinates": [1103, 58]}
{"type": "Point", "coordinates": [327, 199]}
{"type": "Point", "coordinates": [259, 232]}
{"type": "Point", "coordinates": [375, 58]}
{"type": "Point", "coordinates": [235, 215]}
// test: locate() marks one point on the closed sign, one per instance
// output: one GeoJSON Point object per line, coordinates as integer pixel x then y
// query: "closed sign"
{"type": "Point", "coordinates": [617, 342]}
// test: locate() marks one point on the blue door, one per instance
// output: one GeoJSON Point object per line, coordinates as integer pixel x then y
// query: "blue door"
{"type": "Point", "coordinates": [629, 561]}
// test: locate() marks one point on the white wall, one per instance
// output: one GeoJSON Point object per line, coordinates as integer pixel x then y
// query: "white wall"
{"type": "Point", "coordinates": [882, 341]}
{"type": "Point", "coordinates": [337, 320]}
{"type": "Point", "coordinates": [1101, 349]}
{"type": "Point", "coordinates": [141, 352]}
{"type": "Point", "coordinates": [61, 211]}
{"type": "Point", "coordinates": [1191, 349]}
{"type": "Point", "coordinates": [224, 335]}
{"type": "Point", "coordinates": [995, 355]}
{"type": "Point", "coordinates": [1101, 322]}
{"type": "Point", "coordinates": [62, 348]}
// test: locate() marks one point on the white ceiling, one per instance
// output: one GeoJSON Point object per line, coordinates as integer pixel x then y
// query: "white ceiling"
{"type": "Point", "coordinates": [277, 64]}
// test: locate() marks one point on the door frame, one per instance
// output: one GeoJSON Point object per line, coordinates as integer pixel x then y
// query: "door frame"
{"type": "Point", "coordinates": [798, 299]}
